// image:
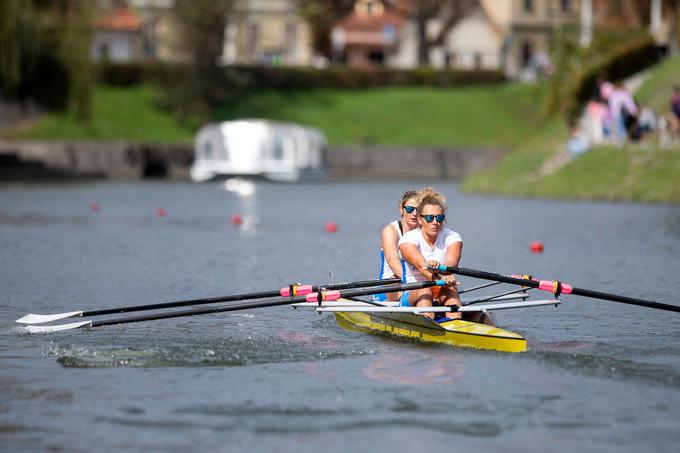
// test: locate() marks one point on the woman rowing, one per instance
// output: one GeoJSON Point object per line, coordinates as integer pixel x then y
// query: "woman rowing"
{"type": "Point", "coordinates": [391, 262]}
{"type": "Point", "coordinates": [429, 246]}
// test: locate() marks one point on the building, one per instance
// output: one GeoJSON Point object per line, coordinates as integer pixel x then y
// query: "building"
{"type": "Point", "coordinates": [508, 35]}
{"type": "Point", "coordinates": [117, 36]}
{"type": "Point", "coordinates": [267, 32]}
{"type": "Point", "coordinates": [136, 30]}
{"type": "Point", "coordinates": [369, 36]}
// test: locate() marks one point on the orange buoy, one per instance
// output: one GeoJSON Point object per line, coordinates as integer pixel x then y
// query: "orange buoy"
{"type": "Point", "coordinates": [536, 247]}
{"type": "Point", "coordinates": [160, 213]}
{"type": "Point", "coordinates": [331, 227]}
{"type": "Point", "coordinates": [236, 219]}
{"type": "Point", "coordinates": [94, 207]}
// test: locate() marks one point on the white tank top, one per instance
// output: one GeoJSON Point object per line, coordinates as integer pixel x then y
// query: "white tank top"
{"type": "Point", "coordinates": [445, 238]}
{"type": "Point", "coordinates": [385, 269]}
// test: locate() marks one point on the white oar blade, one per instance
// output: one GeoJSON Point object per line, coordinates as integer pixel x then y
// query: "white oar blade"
{"type": "Point", "coordinates": [42, 319]}
{"type": "Point", "coordinates": [57, 328]}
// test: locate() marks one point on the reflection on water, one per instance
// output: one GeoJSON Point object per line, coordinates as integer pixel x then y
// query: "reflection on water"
{"type": "Point", "coordinates": [414, 369]}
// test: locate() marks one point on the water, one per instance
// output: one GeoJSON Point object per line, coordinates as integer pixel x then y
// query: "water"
{"type": "Point", "coordinates": [597, 376]}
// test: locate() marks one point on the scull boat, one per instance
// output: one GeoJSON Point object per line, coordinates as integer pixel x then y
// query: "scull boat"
{"type": "Point", "coordinates": [368, 316]}
{"type": "Point", "coordinates": [389, 319]}
{"type": "Point", "coordinates": [456, 332]}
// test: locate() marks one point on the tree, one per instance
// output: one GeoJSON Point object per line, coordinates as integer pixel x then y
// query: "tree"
{"type": "Point", "coordinates": [18, 44]}
{"type": "Point", "coordinates": [422, 12]}
{"type": "Point", "coordinates": [321, 15]}
{"type": "Point", "coordinates": [44, 52]}
{"type": "Point", "coordinates": [201, 26]}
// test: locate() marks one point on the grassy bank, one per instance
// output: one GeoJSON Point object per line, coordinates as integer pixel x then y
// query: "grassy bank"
{"type": "Point", "coordinates": [479, 116]}
{"type": "Point", "coordinates": [639, 172]}
{"type": "Point", "coordinates": [118, 114]}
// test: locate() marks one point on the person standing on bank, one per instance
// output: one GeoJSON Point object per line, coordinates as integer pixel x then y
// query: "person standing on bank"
{"type": "Point", "coordinates": [392, 264]}
{"type": "Point", "coordinates": [429, 246]}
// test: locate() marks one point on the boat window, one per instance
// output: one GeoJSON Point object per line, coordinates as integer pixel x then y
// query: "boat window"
{"type": "Point", "coordinates": [278, 147]}
{"type": "Point", "coordinates": [207, 149]}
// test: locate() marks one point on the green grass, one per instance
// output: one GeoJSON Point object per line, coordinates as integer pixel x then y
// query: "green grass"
{"type": "Point", "coordinates": [657, 90]}
{"type": "Point", "coordinates": [638, 173]}
{"type": "Point", "coordinates": [412, 116]}
{"type": "Point", "coordinates": [118, 114]}
{"type": "Point", "coordinates": [519, 167]}
{"type": "Point", "coordinates": [499, 116]}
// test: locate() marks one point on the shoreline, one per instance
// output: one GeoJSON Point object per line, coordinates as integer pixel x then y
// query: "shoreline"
{"type": "Point", "coordinates": [123, 160]}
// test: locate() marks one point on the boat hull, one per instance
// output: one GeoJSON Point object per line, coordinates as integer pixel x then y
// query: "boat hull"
{"type": "Point", "coordinates": [456, 332]}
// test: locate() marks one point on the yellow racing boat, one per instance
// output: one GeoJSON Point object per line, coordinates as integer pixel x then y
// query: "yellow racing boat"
{"type": "Point", "coordinates": [456, 332]}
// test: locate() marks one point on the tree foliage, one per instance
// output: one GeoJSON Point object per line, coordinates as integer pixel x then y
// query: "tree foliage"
{"type": "Point", "coordinates": [44, 52]}
{"type": "Point", "coordinates": [321, 15]}
{"type": "Point", "coordinates": [201, 26]}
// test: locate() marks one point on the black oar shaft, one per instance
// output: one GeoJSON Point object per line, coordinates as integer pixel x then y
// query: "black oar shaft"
{"type": "Point", "coordinates": [624, 299]}
{"type": "Point", "coordinates": [264, 303]}
{"type": "Point", "coordinates": [232, 298]}
{"type": "Point", "coordinates": [576, 291]}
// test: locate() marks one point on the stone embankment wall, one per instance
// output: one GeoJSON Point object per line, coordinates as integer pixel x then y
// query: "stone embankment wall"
{"type": "Point", "coordinates": [129, 161]}
{"type": "Point", "coordinates": [408, 163]}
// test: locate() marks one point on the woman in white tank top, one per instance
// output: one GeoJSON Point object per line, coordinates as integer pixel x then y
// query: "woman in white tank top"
{"type": "Point", "coordinates": [391, 262]}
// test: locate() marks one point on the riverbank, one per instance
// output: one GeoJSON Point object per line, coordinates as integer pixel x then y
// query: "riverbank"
{"type": "Point", "coordinates": [124, 161]}
{"type": "Point", "coordinates": [420, 126]}
{"type": "Point", "coordinates": [641, 172]}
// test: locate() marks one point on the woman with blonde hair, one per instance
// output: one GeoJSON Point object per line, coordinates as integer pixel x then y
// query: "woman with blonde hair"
{"type": "Point", "coordinates": [429, 246]}
{"type": "Point", "coordinates": [392, 264]}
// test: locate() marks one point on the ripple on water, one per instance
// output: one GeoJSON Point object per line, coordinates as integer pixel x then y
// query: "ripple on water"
{"type": "Point", "coordinates": [225, 352]}
{"type": "Point", "coordinates": [612, 362]}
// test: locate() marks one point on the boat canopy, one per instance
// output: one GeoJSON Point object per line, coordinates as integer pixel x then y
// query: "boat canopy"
{"type": "Point", "coordinates": [274, 150]}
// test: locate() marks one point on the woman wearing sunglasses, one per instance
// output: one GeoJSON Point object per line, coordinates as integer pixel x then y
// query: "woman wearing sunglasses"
{"type": "Point", "coordinates": [392, 264]}
{"type": "Point", "coordinates": [431, 245]}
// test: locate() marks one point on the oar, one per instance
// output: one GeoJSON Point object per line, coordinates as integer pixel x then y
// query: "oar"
{"type": "Point", "coordinates": [315, 297]}
{"type": "Point", "coordinates": [556, 287]}
{"type": "Point", "coordinates": [294, 290]}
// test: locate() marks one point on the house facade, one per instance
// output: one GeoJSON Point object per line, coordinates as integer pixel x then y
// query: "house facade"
{"type": "Point", "coordinates": [117, 36]}
{"type": "Point", "coordinates": [267, 32]}
{"type": "Point", "coordinates": [136, 30]}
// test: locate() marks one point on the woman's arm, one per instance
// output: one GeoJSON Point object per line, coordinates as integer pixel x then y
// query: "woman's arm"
{"type": "Point", "coordinates": [416, 259]}
{"type": "Point", "coordinates": [388, 241]}
{"type": "Point", "coordinates": [453, 253]}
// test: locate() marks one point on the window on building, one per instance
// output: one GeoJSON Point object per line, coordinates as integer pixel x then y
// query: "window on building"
{"type": "Point", "coordinates": [291, 38]}
{"type": "Point", "coordinates": [450, 59]}
{"type": "Point", "coordinates": [565, 5]}
{"type": "Point", "coordinates": [253, 37]}
{"type": "Point", "coordinates": [104, 51]}
{"type": "Point", "coordinates": [477, 60]}
{"type": "Point", "coordinates": [527, 53]}
{"type": "Point", "coordinates": [369, 7]}
{"type": "Point", "coordinates": [528, 6]}
{"type": "Point", "coordinates": [376, 56]}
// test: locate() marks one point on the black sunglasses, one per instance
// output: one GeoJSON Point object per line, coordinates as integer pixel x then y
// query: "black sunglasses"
{"type": "Point", "coordinates": [409, 209]}
{"type": "Point", "coordinates": [430, 217]}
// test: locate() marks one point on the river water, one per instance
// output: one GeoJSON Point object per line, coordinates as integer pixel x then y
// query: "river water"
{"type": "Point", "coordinates": [597, 376]}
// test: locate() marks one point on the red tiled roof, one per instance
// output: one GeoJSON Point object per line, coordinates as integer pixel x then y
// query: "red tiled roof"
{"type": "Point", "coordinates": [123, 19]}
{"type": "Point", "coordinates": [355, 22]}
